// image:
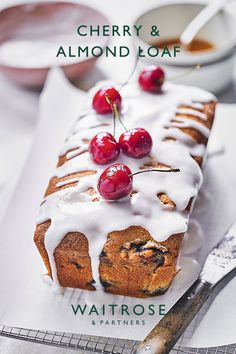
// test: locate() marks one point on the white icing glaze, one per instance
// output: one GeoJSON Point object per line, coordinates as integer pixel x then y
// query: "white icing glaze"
{"type": "Point", "coordinates": [190, 111]}
{"type": "Point", "coordinates": [73, 210]}
{"type": "Point", "coordinates": [181, 122]}
{"type": "Point", "coordinates": [197, 105]}
{"type": "Point", "coordinates": [68, 181]}
{"type": "Point", "coordinates": [76, 152]}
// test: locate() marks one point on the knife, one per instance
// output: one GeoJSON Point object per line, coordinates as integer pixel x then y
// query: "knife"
{"type": "Point", "coordinates": [220, 262]}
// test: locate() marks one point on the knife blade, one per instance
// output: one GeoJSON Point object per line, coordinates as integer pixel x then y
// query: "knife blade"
{"type": "Point", "coordinates": [219, 263]}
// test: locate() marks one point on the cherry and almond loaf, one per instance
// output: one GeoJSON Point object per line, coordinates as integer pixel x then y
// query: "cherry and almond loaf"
{"type": "Point", "coordinates": [131, 246]}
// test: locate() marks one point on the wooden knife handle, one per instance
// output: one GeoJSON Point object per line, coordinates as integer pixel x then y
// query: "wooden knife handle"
{"type": "Point", "coordinates": [167, 332]}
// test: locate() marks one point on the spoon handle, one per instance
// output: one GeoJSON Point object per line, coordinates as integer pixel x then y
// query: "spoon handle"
{"type": "Point", "coordinates": [200, 20]}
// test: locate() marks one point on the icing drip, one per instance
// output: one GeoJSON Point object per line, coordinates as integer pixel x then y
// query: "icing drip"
{"type": "Point", "coordinates": [192, 112]}
{"type": "Point", "coordinates": [193, 148]}
{"type": "Point", "coordinates": [76, 152]}
{"type": "Point", "coordinates": [197, 105]}
{"type": "Point", "coordinates": [73, 209]}
{"type": "Point", "coordinates": [181, 122]}
{"type": "Point", "coordinates": [68, 181]}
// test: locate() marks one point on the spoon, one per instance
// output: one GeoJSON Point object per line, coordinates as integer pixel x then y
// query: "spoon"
{"type": "Point", "coordinates": [200, 20]}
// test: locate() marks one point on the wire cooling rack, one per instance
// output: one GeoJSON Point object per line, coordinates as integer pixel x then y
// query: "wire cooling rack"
{"type": "Point", "coordinates": [85, 343]}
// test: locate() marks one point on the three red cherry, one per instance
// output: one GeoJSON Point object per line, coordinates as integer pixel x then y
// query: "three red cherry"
{"type": "Point", "coordinates": [152, 78]}
{"type": "Point", "coordinates": [103, 148]}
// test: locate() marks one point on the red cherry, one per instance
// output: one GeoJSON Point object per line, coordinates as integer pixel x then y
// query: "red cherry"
{"type": "Point", "coordinates": [136, 143]}
{"type": "Point", "coordinates": [103, 148]}
{"type": "Point", "coordinates": [115, 182]}
{"type": "Point", "coordinates": [152, 78]}
{"type": "Point", "coordinates": [100, 104]}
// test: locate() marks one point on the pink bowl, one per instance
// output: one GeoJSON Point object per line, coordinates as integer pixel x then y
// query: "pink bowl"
{"type": "Point", "coordinates": [30, 35]}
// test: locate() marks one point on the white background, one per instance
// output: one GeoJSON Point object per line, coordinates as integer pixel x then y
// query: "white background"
{"type": "Point", "coordinates": [18, 119]}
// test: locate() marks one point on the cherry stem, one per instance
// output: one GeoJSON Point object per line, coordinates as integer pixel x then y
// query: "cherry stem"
{"type": "Point", "coordinates": [156, 170]}
{"type": "Point", "coordinates": [116, 113]}
{"type": "Point", "coordinates": [195, 67]}
{"type": "Point", "coordinates": [109, 101]}
{"type": "Point", "coordinates": [132, 72]}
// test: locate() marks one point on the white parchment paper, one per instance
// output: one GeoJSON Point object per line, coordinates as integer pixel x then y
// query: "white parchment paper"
{"type": "Point", "coordinates": [26, 301]}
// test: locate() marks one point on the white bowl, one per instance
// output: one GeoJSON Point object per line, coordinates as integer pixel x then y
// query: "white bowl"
{"type": "Point", "coordinates": [217, 64]}
{"type": "Point", "coordinates": [31, 33]}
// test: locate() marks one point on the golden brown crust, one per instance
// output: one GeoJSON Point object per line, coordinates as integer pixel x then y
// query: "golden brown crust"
{"type": "Point", "coordinates": [73, 262]}
{"type": "Point", "coordinates": [132, 263]}
{"type": "Point", "coordinates": [39, 235]}
{"type": "Point", "coordinates": [71, 258]}
{"type": "Point", "coordinates": [53, 187]}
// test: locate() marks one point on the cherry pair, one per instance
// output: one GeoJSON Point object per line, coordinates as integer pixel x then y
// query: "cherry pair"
{"type": "Point", "coordinates": [104, 148]}
{"type": "Point", "coordinates": [150, 79]}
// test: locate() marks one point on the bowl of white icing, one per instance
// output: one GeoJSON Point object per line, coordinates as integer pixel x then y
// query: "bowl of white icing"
{"type": "Point", "coordinates": [31, 35]}
{"type": "Point", "coordinates": [214, 47]}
